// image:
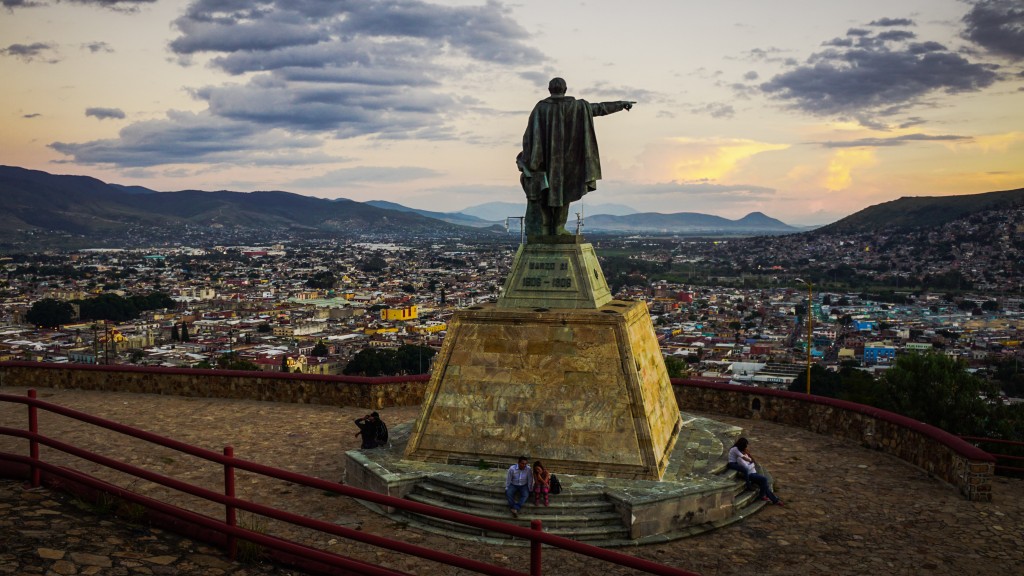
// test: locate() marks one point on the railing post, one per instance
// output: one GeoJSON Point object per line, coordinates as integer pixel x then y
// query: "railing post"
{"type": "Point", "coordinates": [229, 511]}
{"type": "Point", "coordinates": [33, 445]}
{"type": "Point", "coordinates": [535, 561]}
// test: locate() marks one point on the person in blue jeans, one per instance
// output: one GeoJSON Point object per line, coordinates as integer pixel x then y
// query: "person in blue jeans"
{"type": "Point", "coordinates": [741, 461]}
{"type": "Point", "coordinates": [518, 484]}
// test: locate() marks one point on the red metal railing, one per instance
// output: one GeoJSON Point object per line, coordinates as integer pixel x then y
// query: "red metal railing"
{"type": "Point", "coordinates": [1001, 468]}
{"type": "Point", "coordinates": [228, 530]}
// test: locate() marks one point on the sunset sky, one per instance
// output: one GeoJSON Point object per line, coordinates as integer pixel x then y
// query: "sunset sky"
{"type": "Point", "coordinates": [805, 110]}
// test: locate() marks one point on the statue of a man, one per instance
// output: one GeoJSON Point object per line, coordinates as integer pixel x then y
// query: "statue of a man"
{"type": "Point", "coordinates": [559, 161]}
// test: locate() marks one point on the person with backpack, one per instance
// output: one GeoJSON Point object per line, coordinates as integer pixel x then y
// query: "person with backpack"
{"type": "Point", "coordinates": [541, 483]}
{"type": "Point", "coordinates": [373, 430]}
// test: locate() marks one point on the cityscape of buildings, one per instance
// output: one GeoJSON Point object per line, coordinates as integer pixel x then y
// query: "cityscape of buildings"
{"type": "Point", "coordinates": [312, 307]}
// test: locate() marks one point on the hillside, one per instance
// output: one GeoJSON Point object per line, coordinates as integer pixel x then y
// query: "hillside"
{"type": "Point", "coordinates": [917, 212]}
{"type": "Point", "coordinates": [44, 209]}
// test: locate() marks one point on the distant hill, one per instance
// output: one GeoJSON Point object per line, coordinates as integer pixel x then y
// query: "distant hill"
{"type": "Point", "coordinates": [914, 212]}
{"type": "Point", "coordinates": [688, 223]}
{"type": "Point", "coordinates": [46, 206]}
{"type": "Point", "coordinates": [498, 211]}
{"type": "Point", "coordinates": [452, 217]}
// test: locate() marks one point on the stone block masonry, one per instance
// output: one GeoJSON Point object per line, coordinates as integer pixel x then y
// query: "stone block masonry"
{"type": "Point", "coordinates": [939, 453]}
{"type": "Point", "coordinates": [370, 393]}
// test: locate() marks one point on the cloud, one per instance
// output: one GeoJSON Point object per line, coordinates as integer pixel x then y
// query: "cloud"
{"type": "Point", "coordinates": [187, 138]}
{"type": "Point", "coordinates": [843, 163]}
{"type": "Point", "coordinates": [105, 113]}
{"type": "Point", "coordinates": [896, 140]}
{"type": "Point", "coordinates": [701, 160]}
{"type": "Point", "coordinates": [95, 47]}
{"type": "Point", "coordinates": [703, 190]}
{"type": "Point", "coordinates": [328, 69]}
{"type": "Point", "coordinates": [715, 110]}
{"type": "Point", "coordinates": [118, 5]}
{"type": "Point", "coordinates": [880, 74]}
{"type": "Point", "coordinates": [32, 115]}
{"type": "Point", "coordinates": [998, 26]}
{"type": "Point", "coordinates": [892, 22]}
{"type": "Point", "coordinates": [29, 52]}
{"type": "Point", "coordinates": [360, 175]}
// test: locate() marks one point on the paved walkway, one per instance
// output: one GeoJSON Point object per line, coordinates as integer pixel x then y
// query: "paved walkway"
{"type": "Point", "coordinates": [849, 510]}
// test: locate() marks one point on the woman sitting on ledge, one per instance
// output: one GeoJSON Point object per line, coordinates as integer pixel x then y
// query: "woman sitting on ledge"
{"type": "Point", "coordinates": [742, 462]}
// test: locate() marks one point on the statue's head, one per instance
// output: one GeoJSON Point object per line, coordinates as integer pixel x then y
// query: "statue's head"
{"type": "Point", "coordinates": [557, 87]}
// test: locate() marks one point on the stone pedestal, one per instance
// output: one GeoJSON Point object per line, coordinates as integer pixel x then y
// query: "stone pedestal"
{"type": "Point", "coordinates": [584, 391]}
{"type": "Point", "coordinates": [556, 371]}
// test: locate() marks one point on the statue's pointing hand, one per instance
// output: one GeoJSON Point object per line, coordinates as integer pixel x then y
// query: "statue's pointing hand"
{"type": "Point", "coordinates": [628, 104]}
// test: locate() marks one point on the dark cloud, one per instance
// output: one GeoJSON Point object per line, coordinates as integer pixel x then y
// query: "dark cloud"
{"type": "Point", "coordinates": [336, 69]}
{"type": "Point", "coordinates": [118, 5]}
{"type": "Point", "coordinates": [896, 140]}
{"type": "Point", "coordinates": [105, 113]}
{"type": "Point", "coordinates": [998, 26]}
{"type": "Point", "coordinates": [187, 138]}
{"type": "Point", "coordinates": [751, 76]}
{"type": "Point", "coordinates": [879, 75]}
{"type": "Point", "coordinates": [892, 22]}
{"type": "Point", "coordinates": [29, 52]}
{"type": "Point", "coordinates": [95, 47]}
{"type": "Point", "coordinates": [32, 115]}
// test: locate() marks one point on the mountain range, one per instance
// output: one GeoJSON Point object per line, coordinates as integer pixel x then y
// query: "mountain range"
{"type": "Point", "coordinates": [42, 211]}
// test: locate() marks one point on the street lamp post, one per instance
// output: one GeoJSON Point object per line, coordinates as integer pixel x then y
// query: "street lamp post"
{"type": "Point", "coordinates": [810, 329]}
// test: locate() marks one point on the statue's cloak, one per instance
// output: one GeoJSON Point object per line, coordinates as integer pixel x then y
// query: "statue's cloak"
{"type": "Point", "coordinates": [560, 161]}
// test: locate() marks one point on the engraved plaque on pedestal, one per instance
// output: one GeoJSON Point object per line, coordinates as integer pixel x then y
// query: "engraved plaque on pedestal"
{"type": "Point", "coordinates": [555, 274]}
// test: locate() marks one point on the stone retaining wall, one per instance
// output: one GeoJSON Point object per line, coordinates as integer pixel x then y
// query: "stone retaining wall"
{"type": "Point", "coordinates": [939, 453]}
{"type": "Point", "coordinates": [370, 393]}
{"type": "Point", "coordinates": [935, 451]}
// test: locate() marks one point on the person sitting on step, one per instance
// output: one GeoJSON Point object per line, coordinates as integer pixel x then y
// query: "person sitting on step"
{"type": "Point", "coordinates": [541, 483]}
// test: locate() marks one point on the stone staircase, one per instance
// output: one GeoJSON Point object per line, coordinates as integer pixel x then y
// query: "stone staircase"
{"type": "Point", "coordinates": [581, 516]}
{"type": "Point", "coordinates": [696, 495]}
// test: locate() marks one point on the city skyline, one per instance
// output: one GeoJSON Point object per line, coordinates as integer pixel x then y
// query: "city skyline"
{"type": "Point", "coordinates": [804, 111]}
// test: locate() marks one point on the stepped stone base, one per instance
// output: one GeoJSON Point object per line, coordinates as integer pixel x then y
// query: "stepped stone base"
{"type": "Point", "coordinates": [697, 494]}
{"type": "Point", "coordinates": [582, 390]}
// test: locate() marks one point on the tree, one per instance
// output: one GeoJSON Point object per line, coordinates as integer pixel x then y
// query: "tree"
{"type": "Point", "coordinates": [175, 336]}
{"type": "Point", "coordinates": [50, 313]}
{"type": "Point", "coordinates": [320, 350]}
{"type": "Point", "coordinates": [263, 328]}
{"type": "Point", "coordinates": [368, 362]}
{"type": "Point", "coordinates": [184, 332]}
{"type": "Point", "coordinates": [938, 390]}
{"type": "Point", "coordinates": [412, 359]}
{"type": "Point", "coordinates": [284, 363]}
{"type": "Point", "coordinates": [677, 368]}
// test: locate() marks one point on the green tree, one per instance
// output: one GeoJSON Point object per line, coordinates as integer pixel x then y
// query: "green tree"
{"type": "Point", "coordinates": [175, 335]}
{"type": "Point", "coordinates": [938, 390]}
{"type": "Point", "coordinates": [372, 361]}
{"type": "Point", "coordinates": [263, 328]}
{"type": "Point", "coordinates": [412, 359]}
{"type": "Point", "coordinates": [320, 350]}
{"type": "Point", "coordinates": [677, 367]}
{"type": "Point", "coordinates": [184, 332]}
{"type": "Point", "coordinates": [50, 313]}
{"type": "Point", "coordinates": [284, 363]}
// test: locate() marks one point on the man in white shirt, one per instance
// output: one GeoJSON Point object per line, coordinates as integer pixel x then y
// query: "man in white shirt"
{"type": "Point", "coordinates": [518, 484]}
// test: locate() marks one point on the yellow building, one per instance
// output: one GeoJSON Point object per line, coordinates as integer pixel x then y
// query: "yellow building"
{"type": "Point", "coordinates": [396, 314]}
